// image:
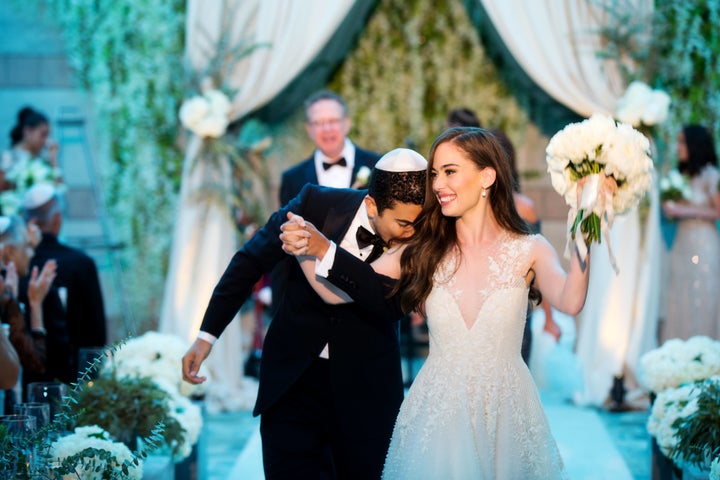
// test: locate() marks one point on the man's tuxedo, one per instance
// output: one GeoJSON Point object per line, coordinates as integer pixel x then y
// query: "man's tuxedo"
{"type": "Point", "coordinates": [364, 363]}
{"type": "Point", "coordinates": [294, 178]}
{"type": "Point", "coordinates": [77, 273]}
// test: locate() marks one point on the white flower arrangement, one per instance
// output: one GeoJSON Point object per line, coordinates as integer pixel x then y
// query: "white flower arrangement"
{"type": "Point", "coordinates": [640, 105]}
{"type": "Point", "coordinates": [206, 115]}
{"type": "Point", "coordinates": [669, 406]}
{"type": "Point", "coordinates": [679, 361]}
{"type": "Point", "coordinates": [158, 356]}
{"type": "Point", "coordinates": [91, 467]}
{"type": "Point", "coordinates": [188, 416]}
{"type": "Point", "coordinates": [602, 168]}
{"type": "Point", "coordinates": [674, 186]}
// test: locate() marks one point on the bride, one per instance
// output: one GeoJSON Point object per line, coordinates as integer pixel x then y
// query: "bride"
{"type": "Point", "coordinates": [473, 410]}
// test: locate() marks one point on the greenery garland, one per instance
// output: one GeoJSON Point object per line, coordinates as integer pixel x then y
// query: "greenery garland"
{"type": "Point", "coordinates": [128, 56]}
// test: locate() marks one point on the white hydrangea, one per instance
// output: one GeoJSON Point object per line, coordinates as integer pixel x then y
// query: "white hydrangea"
{"type": "Point", "coordinates": [94, 437]}
{"type": "Point", "coordinates": [670, 405]}
{"type": "Point", "coordinates": [188, 415]}
{"type": "Point", "coordinates": [679, 361]}
{"type": "Point", "coordinates": [158, 356]}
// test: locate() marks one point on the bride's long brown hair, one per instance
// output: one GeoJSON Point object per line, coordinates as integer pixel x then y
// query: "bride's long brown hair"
{"type": "Point", "coordinates": [435, 233]}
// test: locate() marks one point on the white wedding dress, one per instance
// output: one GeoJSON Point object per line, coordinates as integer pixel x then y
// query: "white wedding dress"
{"type": "Point", "coordinates": [473, 411]}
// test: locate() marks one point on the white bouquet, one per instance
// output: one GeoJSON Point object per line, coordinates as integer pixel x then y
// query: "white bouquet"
{"type": "Point", "coordinates": [675, 186]}
{"type": "Point", "coordinates": [679, 361]}
{"type": "Point", "coordinates": [94, 455]}
{"type": "Point", "coordinates": [158, 356]}
{"type": "Point", "coordinates": [25, 173]}
{"type": "Point", "coordinates": [206, 115]}
{"type": "Point", "coordinates": [640, 105]}
{"type": "Point", "coordinates": [601, 168]}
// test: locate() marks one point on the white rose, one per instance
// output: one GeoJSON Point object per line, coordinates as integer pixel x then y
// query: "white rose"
{"type": "Point", "coordinates": [193, 111]}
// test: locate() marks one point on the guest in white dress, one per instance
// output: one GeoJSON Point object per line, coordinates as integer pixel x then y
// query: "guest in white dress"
{"type": "Point", "coordinates": [473, 410]}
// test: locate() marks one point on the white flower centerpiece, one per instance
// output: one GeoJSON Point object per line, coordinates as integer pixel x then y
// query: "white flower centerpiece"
{"type": "Point", "coordinates": [678, 362]}
{"type": "Point", "coordinates": [158, 356]}
{"type": "Point", "coordinates": [602, 168]}
{"type": "Point", "coordinates": [90, 454]}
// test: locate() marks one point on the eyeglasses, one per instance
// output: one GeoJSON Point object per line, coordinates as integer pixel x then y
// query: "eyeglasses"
{"type": "Point", "coordinates": [329, 123]}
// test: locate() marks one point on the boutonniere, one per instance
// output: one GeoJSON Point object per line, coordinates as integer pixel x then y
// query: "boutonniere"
{"type": "Point", "coordinates": [362, 178]}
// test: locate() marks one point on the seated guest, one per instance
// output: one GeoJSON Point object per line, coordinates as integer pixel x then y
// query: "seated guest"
{"type": "Point", "coordinates": [77, 277]}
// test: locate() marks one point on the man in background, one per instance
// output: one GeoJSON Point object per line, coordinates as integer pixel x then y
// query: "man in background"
{"type": "Point", "coordinates": [77, 277]}
{"type": "Point", "coordinates": [336, 160]}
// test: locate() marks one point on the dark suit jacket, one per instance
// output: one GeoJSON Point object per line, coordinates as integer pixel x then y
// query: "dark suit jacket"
{"type": "Point", "coordinates": [77, 273]}
{"type": "Point", "coordinates": [294, 178]}
{"type": "Point", "coordinates": [364, 351]}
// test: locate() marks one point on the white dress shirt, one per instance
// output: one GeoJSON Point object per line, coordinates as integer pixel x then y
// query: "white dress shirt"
{"type": "Point", "coordinates": [336, 176]}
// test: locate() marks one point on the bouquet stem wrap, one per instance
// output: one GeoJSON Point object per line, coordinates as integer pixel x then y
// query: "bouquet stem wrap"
{"type": "Point", "coordinates": [594, 215]}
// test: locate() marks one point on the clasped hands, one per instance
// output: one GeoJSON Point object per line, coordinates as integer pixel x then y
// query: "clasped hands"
{"type": "Point", "coordinates": [301, 238]}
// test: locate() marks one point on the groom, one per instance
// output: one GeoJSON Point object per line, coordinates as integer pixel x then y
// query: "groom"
{"type": "Point", "coordinates": [330, 378]}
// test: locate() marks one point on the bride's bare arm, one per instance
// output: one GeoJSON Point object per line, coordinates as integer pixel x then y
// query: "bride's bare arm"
{"type": "Point", "coordinates": [306, 243]}
{"type": "Point", "coordinates": [565, 291]}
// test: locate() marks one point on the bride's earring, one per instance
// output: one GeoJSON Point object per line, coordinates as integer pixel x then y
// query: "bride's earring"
{"type": "Point", "coordinates": [484, 192]}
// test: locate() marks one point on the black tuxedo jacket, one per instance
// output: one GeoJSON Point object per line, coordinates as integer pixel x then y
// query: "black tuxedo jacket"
{"type": "Point", "coordinates": [364, 350]}
{"type": "Point", "coordinates": [294, 178]}
{"type": "Point", "coordinates": [78, 274]}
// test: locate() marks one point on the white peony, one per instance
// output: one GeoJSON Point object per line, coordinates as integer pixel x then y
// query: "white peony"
{"type": "Point", "coordinates": [679, 361]}
{"type": "Point", "coordinates": [213, 126]}
{"type": "Point", "coordinates": [94, 437]}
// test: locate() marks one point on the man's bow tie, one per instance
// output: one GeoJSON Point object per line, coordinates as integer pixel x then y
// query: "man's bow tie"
{"type": "Point", "coordinates": [366, 238]}
{"type": "Point", "coordinates": [342, 162]}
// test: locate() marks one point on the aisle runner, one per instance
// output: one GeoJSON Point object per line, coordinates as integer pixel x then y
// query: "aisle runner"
{"type": "Point", "coordinates": [248, 465]}
{"type": "Point", "coordinates": [585, 446]}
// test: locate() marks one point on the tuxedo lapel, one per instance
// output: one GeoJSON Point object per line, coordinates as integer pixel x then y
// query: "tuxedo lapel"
{"type": "Point", "coordinates": [309, 173]}
{"type": "Point", "coordinates": [338, 220]}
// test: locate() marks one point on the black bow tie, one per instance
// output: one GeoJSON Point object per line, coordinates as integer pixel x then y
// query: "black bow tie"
{"type": "Point", "coordinates": [366, 238]}
{"type": "Point", "coordinates": [342, 162]}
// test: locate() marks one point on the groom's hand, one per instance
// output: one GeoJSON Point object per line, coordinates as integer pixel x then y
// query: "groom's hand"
{"type": "Point", "coordinates": [300, 237]}
{"type": "Point", "coordinates": [192, 360]}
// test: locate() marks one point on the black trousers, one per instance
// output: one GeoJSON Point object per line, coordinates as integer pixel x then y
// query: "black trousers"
{"type": "Point", "coordinates": [301, 438]}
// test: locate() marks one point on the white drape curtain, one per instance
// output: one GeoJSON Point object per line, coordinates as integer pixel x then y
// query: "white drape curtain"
{"type": "Point", "coordinates": [204, 237]}
{"type": "Point", "coordinates": [556, 43]}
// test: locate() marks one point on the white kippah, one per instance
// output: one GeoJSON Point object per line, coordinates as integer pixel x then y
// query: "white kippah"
{"type": "Point", "coordinates": [38, 195]}
{"type": "Point", "coordinates": [402, 160]}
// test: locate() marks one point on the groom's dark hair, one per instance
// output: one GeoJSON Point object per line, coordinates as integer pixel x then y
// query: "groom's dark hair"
{"type": "Point", "coordinates": [389, 188]}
